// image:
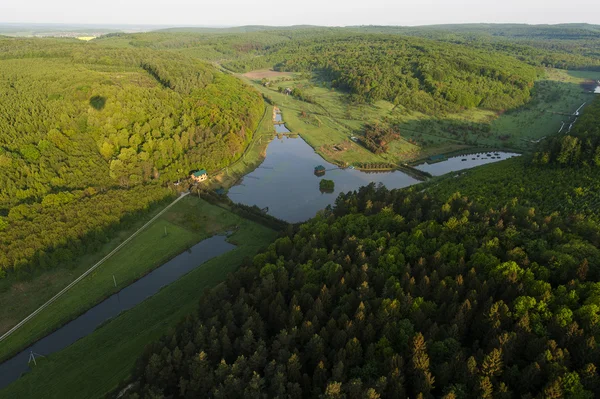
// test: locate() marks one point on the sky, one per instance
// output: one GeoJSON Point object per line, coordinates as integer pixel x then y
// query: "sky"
{"type": "Point", "coordinates": [283, 13]}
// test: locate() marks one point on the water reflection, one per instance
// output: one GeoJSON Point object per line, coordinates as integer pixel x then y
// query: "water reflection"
{"type": "Point", "coordinates": [287, 185]}
{"type": "Point", "coordinates": [112, 306]}
{"type": "Point", "coordinates": [461, 162]}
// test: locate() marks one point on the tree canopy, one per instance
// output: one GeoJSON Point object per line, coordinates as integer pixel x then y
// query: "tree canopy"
{"type": "Point", "coordinates": [87, 128]}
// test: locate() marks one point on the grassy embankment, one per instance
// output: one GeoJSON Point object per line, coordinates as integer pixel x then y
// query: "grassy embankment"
{"type": "Point", "coordinates": [96, 364]}
{"type": "Point", "coordinates": [252, 157]}
{"type": "Point", "coordinates": [187, 222]}
{"type": "Point", "coordinates": [332, 120]}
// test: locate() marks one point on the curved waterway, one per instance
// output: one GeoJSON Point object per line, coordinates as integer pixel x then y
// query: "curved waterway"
{"type": "Point", "coordinates": [111, 307]}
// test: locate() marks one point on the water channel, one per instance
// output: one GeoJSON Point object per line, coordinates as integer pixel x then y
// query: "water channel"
{"type": "Point", "coordinates": [117, 303]}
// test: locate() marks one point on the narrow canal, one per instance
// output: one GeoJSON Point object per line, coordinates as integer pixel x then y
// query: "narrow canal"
{"type": "Point", "coordinates": [112, 306]}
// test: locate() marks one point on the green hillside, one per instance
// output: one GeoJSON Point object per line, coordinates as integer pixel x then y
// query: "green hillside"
{"type": "Point", "coordinates": [86, 130]}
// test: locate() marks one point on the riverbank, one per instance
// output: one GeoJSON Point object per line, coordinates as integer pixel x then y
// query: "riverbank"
{"type": "Point", "coordinates": [188, 222]}
{"type": "Point", "coordinates": [252, 157]}
{"type": "Point", "coordinates": [95, 365]}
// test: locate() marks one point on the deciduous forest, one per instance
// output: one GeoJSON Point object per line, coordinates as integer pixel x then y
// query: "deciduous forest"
{"type": "Point", "coordinates": [91, 136]}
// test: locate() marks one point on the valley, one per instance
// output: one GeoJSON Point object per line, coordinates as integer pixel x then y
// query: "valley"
{"type": "Point", "coordinates": [387, 212]}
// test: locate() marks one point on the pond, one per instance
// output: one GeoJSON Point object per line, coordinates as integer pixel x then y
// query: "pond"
{"type": "Point", "coordinates": [287, 185]}
{"type": "Point", "coordinates": [461, 162]}
{"type": "Point", "coordinates": [112, 306]}
{"type": "Point", "coordinates": [278, 117]}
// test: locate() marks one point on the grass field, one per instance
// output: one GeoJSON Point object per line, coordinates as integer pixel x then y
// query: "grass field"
{"type": "Point", "coordinates": [186, 223]}
{"type": "Point", "coordinates": [96, 364]}
{"type": "Point", "coordinates": [331, 120]}
{"type": "Point", "coordinates": [320, 129]}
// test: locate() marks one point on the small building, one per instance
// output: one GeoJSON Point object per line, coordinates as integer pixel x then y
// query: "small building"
{"type": "Point", "coordinates": [287, 90]}
{"type": "Point", "coordinates": [319, 170]}
{"type": "Point", "coordinates": [200, 175]}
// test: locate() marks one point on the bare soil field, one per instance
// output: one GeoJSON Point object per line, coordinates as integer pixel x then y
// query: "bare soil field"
{"type": "Point", "coordinates": [266, 73]}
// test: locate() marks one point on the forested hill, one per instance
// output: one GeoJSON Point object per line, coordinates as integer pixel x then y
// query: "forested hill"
{"type": "Point", "coordinates": [419, 74]}
{"type": "Point", "coordinates": [394, 295]}
{"type": "Point", "coordinates": [89, 135]}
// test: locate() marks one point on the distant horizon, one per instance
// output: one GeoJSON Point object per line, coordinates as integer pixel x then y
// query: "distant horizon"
{"type": "Point", "coordinates": [335, 13]}
{"type": "Point", "coordinates": [166, 25]}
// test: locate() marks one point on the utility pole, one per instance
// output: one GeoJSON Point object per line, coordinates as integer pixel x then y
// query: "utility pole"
{"type": "Point", "coordinates": [32, 356]}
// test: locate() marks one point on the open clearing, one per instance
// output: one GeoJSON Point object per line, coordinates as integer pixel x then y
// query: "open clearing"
{"type": "Point", "coordinates": [329, 120]}
{"type": "Point", "coordinates": [186, 223]}
{"type": "Point", "coordinates": [266, 74]}
{"type": "Point", "coordinates": [95, 365]}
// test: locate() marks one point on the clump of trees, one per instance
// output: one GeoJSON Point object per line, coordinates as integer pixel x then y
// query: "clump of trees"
{"type": "Point", "coordinates": [377, 137]}
{"type": "Point", "coordinates": [326, 185]}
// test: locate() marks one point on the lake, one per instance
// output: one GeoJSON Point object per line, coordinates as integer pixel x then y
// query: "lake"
{"type": "Point", "coordinates": [461, 162]}
{"type": "Point", "coordinates": [127, 298]}
{"type": "Point", "coordinates": [287, 185]}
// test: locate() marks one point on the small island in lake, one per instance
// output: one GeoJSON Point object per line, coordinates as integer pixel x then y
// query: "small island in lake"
{"type": "Point", "coordinates": [326, 186]}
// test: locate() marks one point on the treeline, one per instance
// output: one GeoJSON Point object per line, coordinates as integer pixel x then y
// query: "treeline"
{"type": "Point", "coordinates": [80, 122]}
{"type": "Point", "coordinates": [396, 294]}
{"type": "Point", "coordinates": [580, 146]}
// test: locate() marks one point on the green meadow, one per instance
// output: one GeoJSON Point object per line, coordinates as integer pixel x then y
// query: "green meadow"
{"type": "Point", "coordinates": [95, 365]}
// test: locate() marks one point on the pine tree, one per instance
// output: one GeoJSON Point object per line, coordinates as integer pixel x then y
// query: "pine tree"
{"type": "Point", "coordinates": [492, 364]}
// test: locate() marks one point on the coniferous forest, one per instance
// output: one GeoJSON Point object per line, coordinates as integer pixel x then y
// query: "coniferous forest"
{"type": "Point", "coordinates": [397, 294]}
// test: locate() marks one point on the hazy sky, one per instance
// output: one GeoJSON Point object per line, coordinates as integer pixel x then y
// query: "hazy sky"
{"type": "Point", "coordinates": [317, 12]}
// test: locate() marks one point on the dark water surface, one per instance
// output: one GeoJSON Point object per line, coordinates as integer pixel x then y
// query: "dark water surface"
{"type": "Point", "coordinates": [287, 185]}
{"type": "Point", "coordinates": [112, 306]}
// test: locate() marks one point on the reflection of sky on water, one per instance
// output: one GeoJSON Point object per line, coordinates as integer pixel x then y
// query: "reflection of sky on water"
{"type": "Point", "coordinates": [454, 164]}
{"type": "Point", "coordinates": [291, 190]}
